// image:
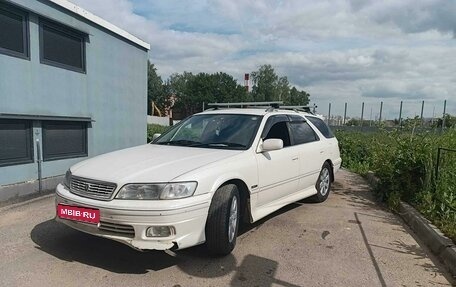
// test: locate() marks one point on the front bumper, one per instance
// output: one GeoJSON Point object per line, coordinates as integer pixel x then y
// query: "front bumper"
{"type": "Point", "coordinates": [188, 220]}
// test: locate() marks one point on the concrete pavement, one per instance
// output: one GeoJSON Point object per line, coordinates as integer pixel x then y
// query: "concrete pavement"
{"type": "Point", "coordinates": [349, 240]}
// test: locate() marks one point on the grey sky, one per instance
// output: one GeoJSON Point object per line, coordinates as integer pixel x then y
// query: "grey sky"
{"type": "Point", "coordinates": [339, 51]}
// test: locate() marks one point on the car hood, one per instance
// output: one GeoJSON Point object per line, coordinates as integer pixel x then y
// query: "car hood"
{"type": "Point", "coordinates": [148, 163]}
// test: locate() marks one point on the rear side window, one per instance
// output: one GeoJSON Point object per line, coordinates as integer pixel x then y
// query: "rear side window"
{"type": "Point", "coordinates": [321, 126]}
{"type": "Point", "coordinates": [302, 133]}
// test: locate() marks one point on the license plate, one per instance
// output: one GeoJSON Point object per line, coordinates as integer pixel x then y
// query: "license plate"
{"type": "Point", "coordinates": [76, 213]}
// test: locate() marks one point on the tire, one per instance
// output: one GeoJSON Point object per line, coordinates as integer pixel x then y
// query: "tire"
{"type": "Point", "coordinates": [323, 184]}
{"type": "Point", "coordinates": [223, 220]}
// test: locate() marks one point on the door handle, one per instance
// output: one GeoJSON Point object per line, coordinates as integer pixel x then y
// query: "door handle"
{"type": "Point", "coordinates": [295, 158]}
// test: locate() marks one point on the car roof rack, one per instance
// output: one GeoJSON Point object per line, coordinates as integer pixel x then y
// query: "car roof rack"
{"type": "Point", "coordinates": [271, 106]}
{"type": "Point", "coordinates": [258, 105]}
{"type": "Point", "coordinates": [307, 109]}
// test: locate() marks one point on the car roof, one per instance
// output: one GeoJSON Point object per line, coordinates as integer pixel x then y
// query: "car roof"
{"type": "Point", "coordinates": [254, 111]}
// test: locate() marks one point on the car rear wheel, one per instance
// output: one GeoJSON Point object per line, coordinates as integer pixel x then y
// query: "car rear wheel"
{"type": "Point", "coordinates": [223, 220]}
{"type": "Point", "coordinates": [323, 184]}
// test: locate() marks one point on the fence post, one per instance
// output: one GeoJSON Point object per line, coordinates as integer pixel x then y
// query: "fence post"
{"type": "Point", "coordinates": [370, 119]}
{"type": "Point", "coordinates": [329, 114]}
{"type": "Point", "coordinates": [439, 152]}
{"type": "Point", "coordinates": [422, 110]}
{"type": "Point", "coordinates": [381, 110]}
{"type": "Point", "coordinates": [345, 114]}
{"type": "Point", "coordinates": [362, 114]}
{"type": "Point", "coordinates": [444, 112]}
{"type": "Point", "coordinates": [437, 164]}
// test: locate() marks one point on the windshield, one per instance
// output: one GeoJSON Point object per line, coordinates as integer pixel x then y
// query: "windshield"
{"type": "Point", "coordinates": [226, 131]}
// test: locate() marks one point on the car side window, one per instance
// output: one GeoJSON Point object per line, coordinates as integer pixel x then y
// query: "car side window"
{"type": "Point", "coordinates": [321, 126]}
{"type": "Point", "coordinates": [276, 128]}
{"type": "Point", "coordinates": [302, 133]}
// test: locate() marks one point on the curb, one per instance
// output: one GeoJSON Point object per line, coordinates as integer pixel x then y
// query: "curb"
{"type": "Point", "coordinates": [372, 180]}
{"type": "Point", "coordinates": [22, 203]}
{"type": "Point", "coordinates": [441, 246]}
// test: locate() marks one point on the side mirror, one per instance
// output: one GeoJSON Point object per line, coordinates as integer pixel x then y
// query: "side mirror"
{"type": "Point", "coordinates": [272, 144]}
{"type": "Point", "coordinates": [155, 136]}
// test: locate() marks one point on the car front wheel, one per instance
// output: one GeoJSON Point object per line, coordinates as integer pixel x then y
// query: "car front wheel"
{"type": "Point", "coordinates": [223, 220]}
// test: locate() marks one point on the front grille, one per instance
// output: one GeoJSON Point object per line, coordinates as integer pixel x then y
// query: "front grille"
{"type": "Point", "coordinates": [92, 188]}
{"type": "Point", "coordinates": [120, 229]}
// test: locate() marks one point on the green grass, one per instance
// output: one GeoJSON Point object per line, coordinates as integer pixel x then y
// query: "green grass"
{"type": "Point", "coordinates": [405, 164]}
{"type": "Point", "coordinates": [155, 129]}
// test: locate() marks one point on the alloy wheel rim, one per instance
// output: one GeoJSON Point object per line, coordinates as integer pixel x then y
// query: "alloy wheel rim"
{"type": "Point", "coordinates": [324, 181]}
{"type": "Point", "coordinates": [232, 224]}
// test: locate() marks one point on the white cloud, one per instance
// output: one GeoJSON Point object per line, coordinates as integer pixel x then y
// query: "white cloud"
{"type": "Point", "coordinates": [340, 51]}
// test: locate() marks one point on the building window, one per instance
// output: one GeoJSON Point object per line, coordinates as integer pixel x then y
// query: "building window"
{"type": "Point", "coordinates": [14, 32]}
{"type": "Point", "coordinates": [62, 47]}
{"type": "Point", "coordinates": [64, 139]}
{"type": "Point", "coordinates": [16, 146]}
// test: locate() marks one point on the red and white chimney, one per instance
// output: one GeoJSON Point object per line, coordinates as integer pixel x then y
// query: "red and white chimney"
{"type": "Point", "coordinates": [246, 81]}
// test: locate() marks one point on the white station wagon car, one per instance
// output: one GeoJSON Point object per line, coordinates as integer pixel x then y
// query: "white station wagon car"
{"type": "Point", "coordinates": [198, 180]}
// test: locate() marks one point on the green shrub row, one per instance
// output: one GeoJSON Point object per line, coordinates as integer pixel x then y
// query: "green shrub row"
{"type": "Point", "coordinates": [155, 129]}
{"type": "Point", "coordinates": [405, 163]}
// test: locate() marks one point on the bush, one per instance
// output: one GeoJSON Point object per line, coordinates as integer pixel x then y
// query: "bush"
{"type": "Point", "coordinates": [405, 163]}
{"type": "Point", "coordinates": [155, 129]}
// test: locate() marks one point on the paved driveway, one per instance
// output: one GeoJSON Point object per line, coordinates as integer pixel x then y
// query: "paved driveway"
{"type": "Point", "coordinates": [347, 241]}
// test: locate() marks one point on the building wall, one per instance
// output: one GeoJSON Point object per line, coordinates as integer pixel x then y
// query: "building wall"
{"type": "Point", "coordinates": [112, 92]}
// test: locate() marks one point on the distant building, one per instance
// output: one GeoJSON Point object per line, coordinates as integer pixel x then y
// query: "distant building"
{"type": "Point", "coordinates": [72, 86]}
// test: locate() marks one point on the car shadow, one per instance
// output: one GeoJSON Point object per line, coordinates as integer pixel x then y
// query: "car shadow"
{"type": "Point", "coordinates": [71, 245]}
{"type": "Point", "coordinates": [252, 227]}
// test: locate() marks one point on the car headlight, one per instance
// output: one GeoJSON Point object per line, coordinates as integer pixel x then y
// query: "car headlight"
{"type": "Point", "coordinates": [155, 191]}
{"type": "Point", "coordinates": [67, 179]}
{"type": "Point", "coordinates": [178, 190]}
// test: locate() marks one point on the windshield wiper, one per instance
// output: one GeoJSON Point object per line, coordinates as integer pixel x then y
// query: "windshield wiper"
{"type": "Point", "coordinates": [222, 144]}
{"type": "Point", "coordinates": [191, 143]}
{"type": "Point", "coordinates": [181, 143]}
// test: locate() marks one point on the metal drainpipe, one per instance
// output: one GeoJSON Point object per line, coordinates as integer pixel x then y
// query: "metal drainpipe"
{"type": "Point", "coordinates": [38, 155]}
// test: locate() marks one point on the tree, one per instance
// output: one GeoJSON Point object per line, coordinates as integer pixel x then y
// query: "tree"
{"type": "Point", "coordinates": [268, 86]}
{"type": "Point", "coordinates": [224, 88]}
{"type": "Point", "coordinates": [297, 98]}
{"type": "Point", "coordinates": [265, 84]}
{"type": "Point", "coordinates": [177, 88]}
{"type": "Point", "coordinates": [187, 92]}
{"type": "Point", "coordinates": [155, 91]}
{"type": "Point", "coordinates": [191, 91]}
{"type": "Point", "coordinates": [283, 89]}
